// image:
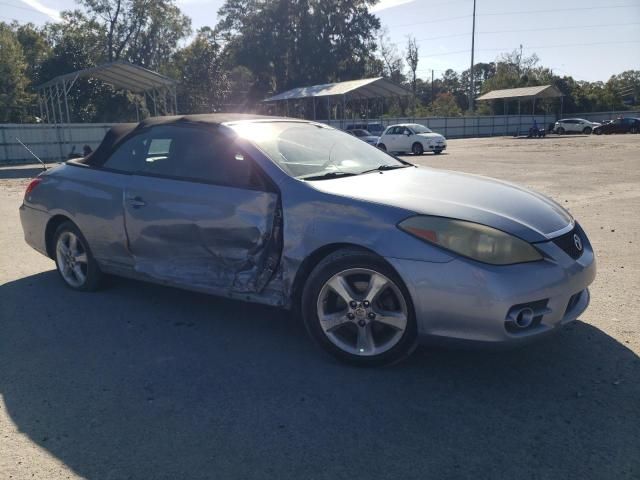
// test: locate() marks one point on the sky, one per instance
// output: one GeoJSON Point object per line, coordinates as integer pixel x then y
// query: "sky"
{"type": "Point", "coordinates": [587, 39]}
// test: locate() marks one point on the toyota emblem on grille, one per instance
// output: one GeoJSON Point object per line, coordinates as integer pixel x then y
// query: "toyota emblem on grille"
{"type": "Point", "coordinates": [577, 242]}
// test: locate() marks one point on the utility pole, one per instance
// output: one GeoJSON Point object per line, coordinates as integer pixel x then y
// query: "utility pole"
{"type": "Point", "coordinates": [471, 75]}
{"type": "Point", "coordinates": [432, 87]}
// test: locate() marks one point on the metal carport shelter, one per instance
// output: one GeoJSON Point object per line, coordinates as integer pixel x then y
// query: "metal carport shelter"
{"type": "Point", "coordinates": [524, 93]}
{"type": "Point", "coordinates": [362, 90]}
{"type": "Point", "coordinates": [160, 89]}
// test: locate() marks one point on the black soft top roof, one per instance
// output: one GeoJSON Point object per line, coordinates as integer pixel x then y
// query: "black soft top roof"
{"type": "Point", "coordinates": [118, 133]}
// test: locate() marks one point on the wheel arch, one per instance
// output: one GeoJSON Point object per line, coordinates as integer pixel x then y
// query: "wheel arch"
{"type": "Point", "coordinates": [52, 225]}
{"type": "Point", "coordinates": [315, 257]}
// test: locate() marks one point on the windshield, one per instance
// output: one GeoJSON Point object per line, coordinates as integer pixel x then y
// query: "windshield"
{"type": "Point", "coordinates": [420, 128]}
{"type": "Point", "coordinates": [308, 150]}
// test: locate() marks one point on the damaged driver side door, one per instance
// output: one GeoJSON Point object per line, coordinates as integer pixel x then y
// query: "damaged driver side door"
{"type": "Point", "coordinates": [200, 214]}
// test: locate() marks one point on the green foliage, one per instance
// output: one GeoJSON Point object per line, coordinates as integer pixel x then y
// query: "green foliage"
{"type": "Point", "coordinates": [445, 105]}
{"type": "Point", "coordinates": [287, 44]}
{"type": "Point", "coordinates": [13, 80]}
{"type": "Point", "coordinates": [260, 47]}
{"type": "Point", "coordinates": [202, 77]}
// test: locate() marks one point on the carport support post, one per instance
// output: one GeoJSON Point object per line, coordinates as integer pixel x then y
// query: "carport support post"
{"type": "Point", "coordinates": [45, 100]}
{"type": "Point", "coordinates": [313, 99]}
{"type": "Point", "coordinates": [61, 135]}
{"type": "Point", "coordinates": [66, 107]}
{"type": "Point", "coordinates": [344, 111]}
{"type": "Point", "coordinates": [40, 104]}
{"type": "Point", "coordinates": [561, 104]}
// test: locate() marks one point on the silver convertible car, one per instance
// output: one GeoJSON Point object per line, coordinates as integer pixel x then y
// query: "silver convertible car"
{"type": "Point", "coordinates": [373, 253]}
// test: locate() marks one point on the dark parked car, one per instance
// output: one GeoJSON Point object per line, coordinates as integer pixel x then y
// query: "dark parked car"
{"type": "Point", "coordinates": [619, 125]}
{"type": "Point", "coordinates": [364, 135]}
{"type": "Point", "coordinates": [374, 128]}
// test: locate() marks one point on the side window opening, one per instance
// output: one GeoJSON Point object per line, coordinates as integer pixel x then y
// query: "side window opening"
{"type": "Point", "coordinates": [197, 154]}
{"type": "Point", "coordinates": [129, 155]}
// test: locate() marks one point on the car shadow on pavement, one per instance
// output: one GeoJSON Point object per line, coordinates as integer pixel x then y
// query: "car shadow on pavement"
{"type": "Point", "coordinates": [141, 381]}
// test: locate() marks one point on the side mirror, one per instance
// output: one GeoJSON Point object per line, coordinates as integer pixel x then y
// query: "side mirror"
{"type": "Point", "coordinates": [408, 134]}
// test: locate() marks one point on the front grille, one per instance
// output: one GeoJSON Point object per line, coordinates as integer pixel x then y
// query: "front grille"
{"type": "Point", "coordinates": [567, 243]}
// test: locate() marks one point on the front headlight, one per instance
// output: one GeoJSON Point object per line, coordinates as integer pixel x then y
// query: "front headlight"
{"type": "Point", "coordinates": [479, 242]}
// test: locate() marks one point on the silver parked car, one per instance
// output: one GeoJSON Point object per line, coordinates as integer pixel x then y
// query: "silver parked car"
{"type": "Point", "coordinates": [372, 252]}
{"type": "Point", "coordinates": [574, 125]}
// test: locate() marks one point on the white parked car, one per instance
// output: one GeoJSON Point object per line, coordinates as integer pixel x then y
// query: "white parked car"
{"type": "Point", "coordinates": [574, 125]}
{"type": "Point", "coordinates": [411, 137]}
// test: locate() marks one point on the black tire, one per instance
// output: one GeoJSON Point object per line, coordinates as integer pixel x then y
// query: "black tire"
{"type": "Point", "coordinates": [93, 275]}
{"type": "Point", "coordinates": [598, 131]}
{"type": "Point", "coordinates": [587, 130]}
{"type": "Point", "coordinates": [560, 131]}
{"type": "Point", "coordinates": [340, 261]}
{"type": "Point", "coordinates": [437, 152]}
{"type": "Point", "coordinates": [382, 147]}
{"type": "Point", "coordinates": [417, 148]}
{"type": "Point", "coordinates": [634, 130]}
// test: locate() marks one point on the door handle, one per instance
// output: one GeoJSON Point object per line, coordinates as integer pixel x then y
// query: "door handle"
{"type": "Point", "coordinates": [136, 202]}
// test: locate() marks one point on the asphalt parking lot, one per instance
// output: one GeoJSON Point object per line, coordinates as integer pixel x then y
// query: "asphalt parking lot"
{"type": "Point", "coordinates": [145, 382]}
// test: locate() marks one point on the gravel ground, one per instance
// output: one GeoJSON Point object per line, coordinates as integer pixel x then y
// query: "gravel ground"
{"type": "Point", "coordinates": [146, 382]}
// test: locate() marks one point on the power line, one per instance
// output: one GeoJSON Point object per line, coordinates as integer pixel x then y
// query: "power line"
{"type": "Point", "coordinates": [569, 27]}
{"type": "Point", "coordinates": [440, 20]}
{"type": "Point", "coordinates": [546, 29]}
{"type": "Point", "coordinates": [569, 9]}
{"type": "Point", "coordinates": [522, 12]}
{"type": "Point", "coordinates": [540, 47]}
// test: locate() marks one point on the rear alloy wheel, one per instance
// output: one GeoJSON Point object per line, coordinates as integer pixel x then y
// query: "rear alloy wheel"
{"type": "Point", "coordinates": [74, 261]}
{"type": "Point", "coordinates": [382, 147]}
{"type": "Point", "coordinates": [356, 307]}
{"type": "Point", "coordinates": [598, 131]}
{"type": "Point", "coordinates": [417, 149]}
{"type": "Point", "coordinates": [587, 130]}
{"type": "Point", "coordinates": [560, 131]}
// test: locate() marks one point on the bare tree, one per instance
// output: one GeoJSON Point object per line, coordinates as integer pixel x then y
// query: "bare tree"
{"type": "Point", "coordinates": [392, 62]}
{"type": "Point", "coordinates": [412, 57]}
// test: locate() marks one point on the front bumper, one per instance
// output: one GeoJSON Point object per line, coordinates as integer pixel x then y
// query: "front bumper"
{"type": "Point", "coordinates": [469, 301]}
{"type": "Point", "coordinates": [436, 147]}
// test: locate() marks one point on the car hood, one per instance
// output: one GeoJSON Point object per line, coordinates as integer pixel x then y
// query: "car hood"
{"type": "Point", "coordinates": [431, 136]}
{"type": "Point", "coordinates": [507, 207]}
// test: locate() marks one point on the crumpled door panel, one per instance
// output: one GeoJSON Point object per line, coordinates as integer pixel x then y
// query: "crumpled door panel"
{"type": "Point", "coordinates": [200, 235]}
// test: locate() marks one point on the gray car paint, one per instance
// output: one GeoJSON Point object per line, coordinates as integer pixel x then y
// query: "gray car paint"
{"type": "Point", "coordinates": [363, 210]}
{"type": "Point", "coordinates": [428, 191]}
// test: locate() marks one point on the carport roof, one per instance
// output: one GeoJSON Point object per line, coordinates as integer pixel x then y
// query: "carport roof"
{"type": "Point", "coordinates": [119, 74]}
{"type": "Point", "coordinates": [365, 88]}
{"type": "Point", "coordinates": [542, 91]}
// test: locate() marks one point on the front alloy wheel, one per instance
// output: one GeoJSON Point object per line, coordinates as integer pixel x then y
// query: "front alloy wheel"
{"type": "Point", "coordinates": [361, 312]}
